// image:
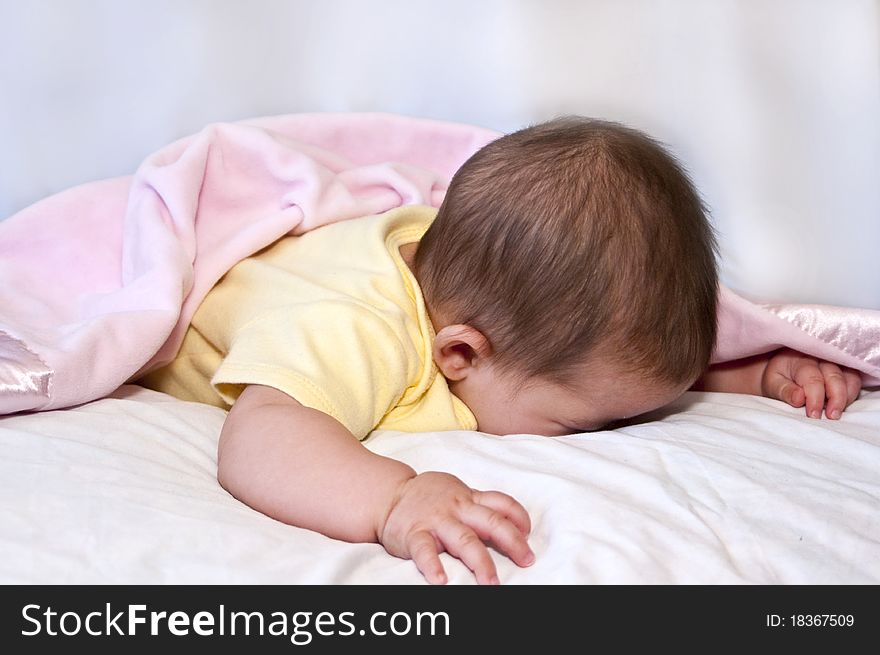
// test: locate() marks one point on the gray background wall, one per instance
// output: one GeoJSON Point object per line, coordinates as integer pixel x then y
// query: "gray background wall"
{"type": "Point", "coordinates": [773, 106]}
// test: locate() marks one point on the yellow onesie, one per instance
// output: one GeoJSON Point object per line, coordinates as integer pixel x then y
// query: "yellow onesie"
{"type": "Point", "coordinates": [333, 318]}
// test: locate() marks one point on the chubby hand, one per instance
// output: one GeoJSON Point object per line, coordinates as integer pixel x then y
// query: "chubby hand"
{"type": "Point", "coordinates": [434, 512]}
{"type": "Point", "coordinates": [800, 380]}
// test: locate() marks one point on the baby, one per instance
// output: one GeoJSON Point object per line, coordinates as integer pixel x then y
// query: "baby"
{"type": "Point", "coordinates": [568, 281]}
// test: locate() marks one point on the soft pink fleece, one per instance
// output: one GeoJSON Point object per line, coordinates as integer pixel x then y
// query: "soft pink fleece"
{"type": "Point", "coordinates": [98, 283]}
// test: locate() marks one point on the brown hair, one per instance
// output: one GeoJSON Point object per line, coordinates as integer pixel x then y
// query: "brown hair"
{"type": "Point", "coordinates": [573, 238]}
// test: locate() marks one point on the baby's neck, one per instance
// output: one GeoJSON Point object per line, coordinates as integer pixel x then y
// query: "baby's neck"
{"type": "Point", "coordinates": [408, 254]}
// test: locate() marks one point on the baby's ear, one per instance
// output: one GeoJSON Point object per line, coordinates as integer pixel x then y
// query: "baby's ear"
{"type": "Point", "coordinates": [458, 348]}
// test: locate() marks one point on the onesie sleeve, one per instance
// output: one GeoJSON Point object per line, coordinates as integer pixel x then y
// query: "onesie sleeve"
{"type": "Point", "coordinates": [339, 357]}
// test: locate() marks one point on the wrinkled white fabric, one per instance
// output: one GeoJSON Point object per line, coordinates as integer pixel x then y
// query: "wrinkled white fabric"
{"type": "Point", "coordinates": [718, 488]}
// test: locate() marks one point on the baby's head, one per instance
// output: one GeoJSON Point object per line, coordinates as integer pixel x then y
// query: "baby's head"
{"type": "Point", "coordinates": [570, 274]}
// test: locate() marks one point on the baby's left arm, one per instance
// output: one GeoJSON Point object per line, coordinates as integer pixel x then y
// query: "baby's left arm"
{"type": "Point", "coordinates": [790, 376]}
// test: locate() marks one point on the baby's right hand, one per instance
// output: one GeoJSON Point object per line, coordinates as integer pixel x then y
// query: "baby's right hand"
{"type": "Point", "coordinates": [434, 512]}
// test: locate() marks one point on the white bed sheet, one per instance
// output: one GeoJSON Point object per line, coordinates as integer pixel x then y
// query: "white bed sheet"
{"type": "Point", "coordinates": [718, 488]}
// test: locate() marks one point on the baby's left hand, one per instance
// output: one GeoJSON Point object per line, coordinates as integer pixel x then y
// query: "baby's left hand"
{"type": "Point", "coordinates": [797, 379]}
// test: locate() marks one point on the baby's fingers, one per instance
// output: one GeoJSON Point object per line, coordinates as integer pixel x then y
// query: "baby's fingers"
{"type": "Point", "coordinates": [462, 542]}
{"type": "Point", "coordinates": [791, 393]}
{"type": "Point", "coordinates": [842, 386]}
{"type": "Point", "coordinates": [495, 527]}
{"type": "Point", "coordinates": [811, 380]}
{"type": "Point", "coordinates": [423, 551]}
{"type": "Point", "coordinates": [835, 389]}
{"type": "Point", "coordinates": [853, 384]}
{"type": "Point", "coordinates": [507, 506]}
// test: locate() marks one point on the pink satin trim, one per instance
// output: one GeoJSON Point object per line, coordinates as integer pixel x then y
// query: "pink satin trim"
{"type": "Point", "coordinates": [856, 333]}
{"type": "Point", "coordinates": [24, 377]}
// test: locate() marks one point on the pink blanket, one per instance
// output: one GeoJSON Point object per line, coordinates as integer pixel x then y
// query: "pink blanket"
{"type": "Point", "coordinates": [98, 283]}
